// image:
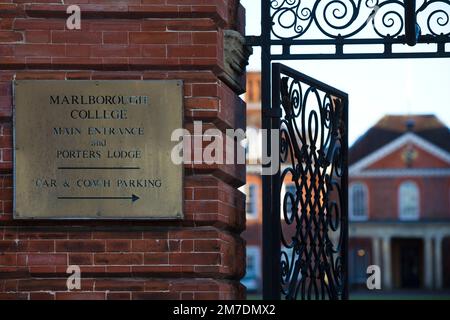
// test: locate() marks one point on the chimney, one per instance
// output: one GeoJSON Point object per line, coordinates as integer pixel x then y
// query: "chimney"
{"type": "Point", "coordinates": [410, 123]}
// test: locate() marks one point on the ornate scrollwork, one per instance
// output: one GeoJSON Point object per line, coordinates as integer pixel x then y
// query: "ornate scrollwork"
{"type": "Point", "coordinates": [436, 13]}
{"type": "Point", "coordinates": [313, 219]}
{"type": "Point", "coordinates": [297, 19]}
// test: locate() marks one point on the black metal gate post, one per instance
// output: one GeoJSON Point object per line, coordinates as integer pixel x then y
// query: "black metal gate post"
{"type": "Point", "coordinates": [271, 284]}
{"type": "Point", "coordinates": [345, 221]}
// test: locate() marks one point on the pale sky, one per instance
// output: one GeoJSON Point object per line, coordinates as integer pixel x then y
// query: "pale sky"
{"type": "Point", "coordinates": [375, 87]}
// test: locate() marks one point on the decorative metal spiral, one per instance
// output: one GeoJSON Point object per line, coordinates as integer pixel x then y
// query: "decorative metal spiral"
{"type": "Point", "coordinates": [295, 19]}
{"type": "Point", "coordinates": [313, 224]}
{"type": "Point", "coordinates": [437, 15]}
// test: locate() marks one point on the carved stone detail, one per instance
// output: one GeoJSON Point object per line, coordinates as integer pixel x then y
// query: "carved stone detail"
{"type": "Point", "coordinates": [236, 55]}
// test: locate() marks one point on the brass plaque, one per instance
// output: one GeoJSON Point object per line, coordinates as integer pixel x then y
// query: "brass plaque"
{"type": "Point", "coordinates": [97, 149]}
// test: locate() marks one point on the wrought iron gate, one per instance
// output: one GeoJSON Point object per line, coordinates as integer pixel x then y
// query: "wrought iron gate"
{"type": "Point", "coordinates": [309, 189]}
{"type": "Point", "coordinates": [310, 218]}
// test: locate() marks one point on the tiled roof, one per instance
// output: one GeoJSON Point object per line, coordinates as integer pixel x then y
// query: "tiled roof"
{"type": "Point", "coordinates": [390, 127]}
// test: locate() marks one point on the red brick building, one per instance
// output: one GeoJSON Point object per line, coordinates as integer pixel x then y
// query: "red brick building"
{"type": "Point", "coordinates": [399, 205]}
{"type": "Point", "coordinates": [253, 188]}
{"type": "Point", "coordinates": [399, 200]}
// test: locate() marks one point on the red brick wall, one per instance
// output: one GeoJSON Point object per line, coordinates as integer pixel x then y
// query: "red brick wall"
{"type": "Point", "coordinates": [423, 159]}
{"type": "Point", "coordinates": [383, 200]}
{"type": "Point", "coordinates": [253, 94]}
{"type": "Point", "coordinates": [383, 197]}
{"type": "Point", "coordinates": [200, 257]}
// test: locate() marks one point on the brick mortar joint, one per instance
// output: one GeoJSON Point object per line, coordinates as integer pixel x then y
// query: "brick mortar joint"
{"type": "Point", "coordinates": [126, 11]}
{"type": "Point", "coordinates": [57, 227]}
{"type": "Point", "coordinates": [178, 276]}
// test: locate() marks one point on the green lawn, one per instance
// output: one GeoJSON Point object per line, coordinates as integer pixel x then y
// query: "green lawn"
{"type": "Point", "coordinates": [400, 295]}
{"type": "Point", "coordinates": [390, 295]}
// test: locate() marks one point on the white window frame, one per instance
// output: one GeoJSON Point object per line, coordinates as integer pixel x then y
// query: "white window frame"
{"type": "Point", "coordinates": [401, 215]}
{"type": "Point", "coordinates": [284, 188]}
{"type": "Point", "coordinates": [254, 283]}
{"type": "Point", "coordinates": [352, 187]}
{"type": "Point", "coordinates": [254, 213]}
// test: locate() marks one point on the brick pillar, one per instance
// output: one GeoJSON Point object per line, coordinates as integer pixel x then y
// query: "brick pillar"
{"type": "Point", "coordinates": [376, 254]}
{"type": "Point", "coordinates": [438, 272]}
{"type": "Point", "coordinates": [386, 245]}
{"type": "Point", "coordinates": [200, 257]}
{"type": "Point", "coordinates": [428, 262]}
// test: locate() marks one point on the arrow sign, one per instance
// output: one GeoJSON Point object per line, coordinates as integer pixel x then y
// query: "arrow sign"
{"type": "Point", "coordinates": [133, 198]}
